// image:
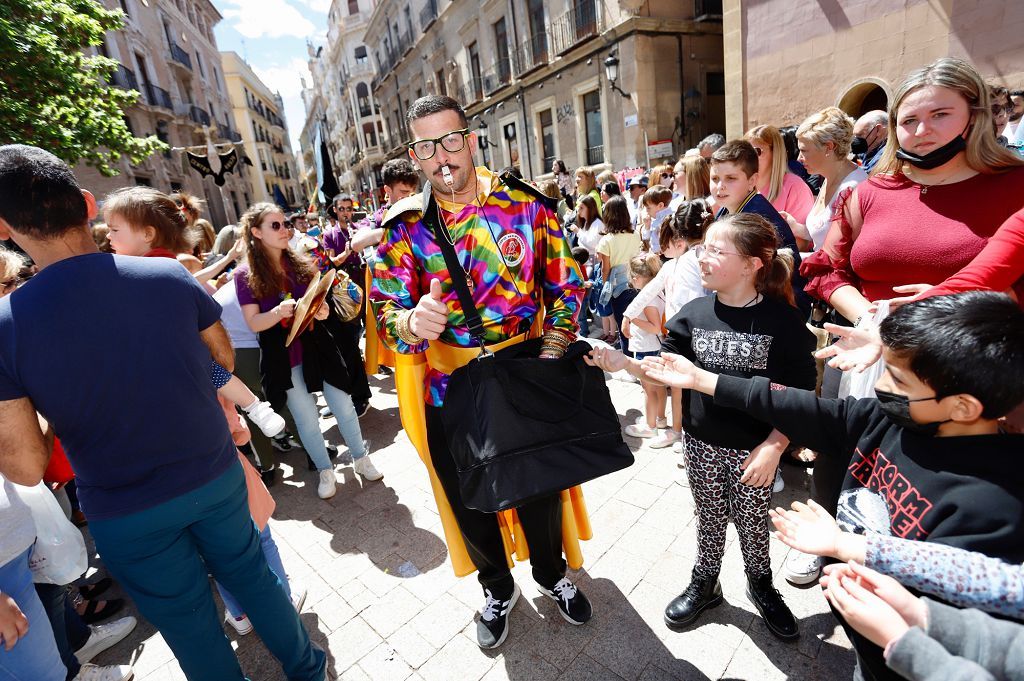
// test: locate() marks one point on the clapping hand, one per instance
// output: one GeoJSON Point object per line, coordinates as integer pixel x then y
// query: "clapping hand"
{"type": "Point", "coordinates": [875, 605]}
{"type": "Point", "coordinates": [671, 370]}
{"type": "Point", "coordinates": [807, 527]}
{"type": "Point", "coordinates": [857, 348]}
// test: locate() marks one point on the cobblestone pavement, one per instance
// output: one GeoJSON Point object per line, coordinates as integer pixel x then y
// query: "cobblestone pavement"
{"type": "Point", "coordinates": [384, 602]}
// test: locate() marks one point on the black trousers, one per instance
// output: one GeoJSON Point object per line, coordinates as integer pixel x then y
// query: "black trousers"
{"type": "Point", "coordinates": [829, 471]}
{"type": "Point", "coordinates": [541, 520]}
{"type": "Point", "coordinates": [349, 347]}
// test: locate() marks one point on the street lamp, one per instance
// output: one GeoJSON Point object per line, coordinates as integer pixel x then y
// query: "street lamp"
{"type": "Point", "coordinates": [481, 135]}
{"type": "Point", "coordinates": [611, 69]}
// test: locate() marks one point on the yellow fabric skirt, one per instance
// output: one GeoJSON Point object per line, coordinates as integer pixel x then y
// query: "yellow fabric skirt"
{"type": "Point", "coordinates": [410, 372]}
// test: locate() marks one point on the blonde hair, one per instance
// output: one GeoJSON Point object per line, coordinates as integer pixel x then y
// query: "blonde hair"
{"type": "Point", "coordinates": [984, 154]}
{"type": "Point", "coordinates": [755, 237]}
{"type": "Point", "coordinates": [770, 136]}
{"type": "Point", "coordinates": [659, 171]}
{"type": "Point", "coordinates": [264, 279]}
{"type": "Point", "coordinates": [645, 265]}
{"type": "Point", "coordinates": [11, 264]}
{"type": "Point", "coordinates": [205, 236]}
{"type": "Point", "coordinates": [828, 125]}
{"type": "Point", "coordinates": [588, 175]}
{"type": "Point", "coordinates": [606, 176]}
{"type": "Point", "coordinates": [143, 207]}
{"type": "Point", "coordinates": [698, 177]}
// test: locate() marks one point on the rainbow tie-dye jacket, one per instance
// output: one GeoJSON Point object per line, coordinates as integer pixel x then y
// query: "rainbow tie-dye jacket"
{"type": "Point", "coordinates": [512, 248]}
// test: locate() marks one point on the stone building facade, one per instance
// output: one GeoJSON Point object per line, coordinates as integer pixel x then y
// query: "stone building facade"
{"type": "Point", "coordinates": [258, 115]}
{"type": "Point", "coordinates": [786, 59]}
{"type": "Point", "coordinates": [168, 53]}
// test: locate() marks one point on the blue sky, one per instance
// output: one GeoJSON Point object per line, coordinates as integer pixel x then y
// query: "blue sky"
{"type": "Point", "coordinates": [272, 35]}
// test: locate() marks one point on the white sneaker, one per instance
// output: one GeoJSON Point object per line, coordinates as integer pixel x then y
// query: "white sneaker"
{"type": "Point", "coordinates": [677, 447]}
{"type": "Point", "coordinates": [241, 625]}
{"type": "Point", "coordinates": [103, 636]}
{"type": "Point", "coordinates": [90, 672]}
{"type": "Point", "coordinates": [780, 484]}
{"type": "Point", "coordinates": [299, 592]}
{"type": "Point", "coordinates": [268, 420]}
{"type": "Point", "coordinates": [328, 484]}
{"type": "Point", "coordinates": [667, 438]}
{"type": "Point", "coordinates": [364, 467]}
{"type": "Point", "coordinates": [802, 568]}
{"type": "Point", "coordinates": [640, 430]}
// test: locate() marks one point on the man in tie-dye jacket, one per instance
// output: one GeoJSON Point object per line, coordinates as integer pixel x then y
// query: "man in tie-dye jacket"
{"type": "Point", "coordinates": [522, 275]}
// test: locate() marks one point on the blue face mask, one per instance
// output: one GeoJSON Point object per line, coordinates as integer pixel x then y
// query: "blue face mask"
{"type": "Point", "coordinates": [313, 231]}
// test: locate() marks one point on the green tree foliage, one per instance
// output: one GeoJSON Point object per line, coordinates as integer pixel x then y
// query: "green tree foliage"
{"type": "Point", "coordinates": [55, 97]}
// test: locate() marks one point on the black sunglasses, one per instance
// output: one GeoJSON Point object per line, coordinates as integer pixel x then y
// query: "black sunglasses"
{"type": "Point", "coordinates": [276, 226]}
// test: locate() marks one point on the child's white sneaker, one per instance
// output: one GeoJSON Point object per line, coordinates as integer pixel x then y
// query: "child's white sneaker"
{"type": "Point", "coordinates": [641, 430]}
{"type": "Point", "coordinates": [666, 438]}
{"type": "Point", "coordinates": [328, 484]}
{"type": "Point", "coordinates": [268, 420]}
{"type": "Point", "coordinates": [241, 625]}
{"type": "Point", "coordinates": [364, 467]}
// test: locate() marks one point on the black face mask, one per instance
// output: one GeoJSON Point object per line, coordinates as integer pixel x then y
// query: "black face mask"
{"type": "Point", "coordinates": [897, 409]}
{"type": "Point", "coordinates": [859, 146]}
{"type": "Point", "coordinates": [935, 157]}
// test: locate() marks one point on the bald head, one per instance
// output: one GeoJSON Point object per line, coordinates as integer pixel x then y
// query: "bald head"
{"type": "Point", "coordinates": [872, 128]}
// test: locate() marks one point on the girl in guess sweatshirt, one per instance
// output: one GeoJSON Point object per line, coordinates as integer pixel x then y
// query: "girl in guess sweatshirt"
{"type": "Point", "coordinates": [750, 327]}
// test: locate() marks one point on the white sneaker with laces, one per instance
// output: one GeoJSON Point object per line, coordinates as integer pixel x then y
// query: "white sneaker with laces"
{"type": "Point", "coordinates": [667, 438]}
{"type": "Point", "coordinates": [640, 430]}
{"type": "Point", "coordinates": [328, 484]}
{"type": "Point", "coordinates": [90, 672]}
{"type": "Point", "coordinates": [802, 568]}
{"type": "Point", "coordinates": [268, 420]}
{"type": "Point", "coordinates": [103, 636]}
{"type": "Point", "coordinates": [364, 467]}
{"type": "Point", "coordinates": [779, 484]}
{"type": "Point", "coordinates": [241, 625]}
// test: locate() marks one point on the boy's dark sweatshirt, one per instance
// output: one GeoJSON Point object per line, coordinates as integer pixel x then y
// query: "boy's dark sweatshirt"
{"type": "Point", "coordinates": [768, 339]}
{"type": "Point", "coordinates": [965, 491]}
{"type": "Point", "coordinates": [758, 205]}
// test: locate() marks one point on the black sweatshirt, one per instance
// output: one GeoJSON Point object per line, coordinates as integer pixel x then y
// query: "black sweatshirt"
{"type": "Point", "coordinates": [965, 491]}
{"type": "Point", "coordinates": [769, 339]}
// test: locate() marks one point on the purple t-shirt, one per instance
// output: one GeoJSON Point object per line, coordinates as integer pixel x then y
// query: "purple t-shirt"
{"type": "Point", "coordinates": [336, 240]}
{"type": "Point", "coordinates": [268, 303]}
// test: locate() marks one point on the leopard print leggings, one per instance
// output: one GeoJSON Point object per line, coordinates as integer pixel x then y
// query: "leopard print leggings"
{"type": "Point", "coordinates": [715, 474]}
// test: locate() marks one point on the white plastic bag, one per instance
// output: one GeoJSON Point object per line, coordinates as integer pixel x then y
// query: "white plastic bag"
{"type": "Point", "coordinates": [861, 385]}
{"type": "Point", "coordinates": [58, 556]}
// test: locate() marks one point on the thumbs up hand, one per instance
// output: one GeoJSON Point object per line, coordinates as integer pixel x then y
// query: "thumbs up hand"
{"type": "Point", "coordinates": [430, 315]}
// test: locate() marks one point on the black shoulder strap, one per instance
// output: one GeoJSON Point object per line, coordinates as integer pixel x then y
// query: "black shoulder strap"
{"type": "Point", "coordinates": [458, 275]}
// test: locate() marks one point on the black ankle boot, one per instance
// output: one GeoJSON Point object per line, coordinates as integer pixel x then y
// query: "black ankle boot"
{"type": "Point", "coordinates": [269, 475]}
{"type": "Point", "coordinates": [702, 593]}
{"type": "Point", "coordinates": [768, 601]}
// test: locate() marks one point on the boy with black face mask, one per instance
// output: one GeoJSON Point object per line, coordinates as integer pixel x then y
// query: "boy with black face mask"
{"type": "Point", "coordinates": [929, 460]}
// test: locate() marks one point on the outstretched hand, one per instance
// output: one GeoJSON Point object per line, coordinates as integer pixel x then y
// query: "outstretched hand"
{"type": "Point", "coordinates": [606, 358]}
{"type": "Point", "coordinates": [671, 370]}
{"type": "Point", "coordinates": [808, 528]}
{"type": "Point", "coordinates": [915, 291]}
{"type": "Point", "coordinates": [875, 605]}
{"type": "Point", "coordinates": [857, 348]}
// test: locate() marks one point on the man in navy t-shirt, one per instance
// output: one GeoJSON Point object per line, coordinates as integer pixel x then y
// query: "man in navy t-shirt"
{"type": "Point", "coordinates": [115, 353]}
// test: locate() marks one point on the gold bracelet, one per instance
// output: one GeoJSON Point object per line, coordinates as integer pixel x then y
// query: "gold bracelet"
{"type": "Point", "coordinates": [404, 330]}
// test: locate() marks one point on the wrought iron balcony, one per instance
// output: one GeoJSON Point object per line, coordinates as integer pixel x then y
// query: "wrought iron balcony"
{"type": "Point", "coordinates": [595, 155]}
{"type": "Point", "coordinates": [198, 115]}
{"type": "Point", "coordinates": [124, 78]}
{"type": "Point", "coordinates": [157, 96]}
{"type": "Point", "coordinates": [180, 56]}
{"type": "Point", "coordinates": [582, 22]}
{"type": "Point", "coordinates": [227, 133]}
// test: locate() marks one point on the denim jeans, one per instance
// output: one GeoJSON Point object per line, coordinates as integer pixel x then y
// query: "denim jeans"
{"type": "Point", "coordinates": [70, 632]}
{"type": "Point", "coordinates": [34, 657]}
{"type": "Point", "coordinates": [161, 556]}
{"type": "Point", "coordinates": [302, 405]}
{"type": "Point", "coordinates": [269, 547]}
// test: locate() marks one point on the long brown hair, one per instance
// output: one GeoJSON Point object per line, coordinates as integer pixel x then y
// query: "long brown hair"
{"type": "Point", "coordinates": [593, 212]}
{"type": "Point", "coordinates": [755, 237]}
{"type": "Point", "coordinates": [616, 216]}
{"type": "Point", "coordinates": [143, 207]}
{"type": "Point", "coordinates": [264, 278]}
{"type": "Point", "coordinates": [984, 154]}
{"type": "Point", "coordinates": [698, 177]}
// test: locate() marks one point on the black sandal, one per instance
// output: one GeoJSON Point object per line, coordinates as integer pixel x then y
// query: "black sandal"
{"type": "Point", "coordinates": [94, 613]}
{"type": "Point", "coordinates": [91, 591]}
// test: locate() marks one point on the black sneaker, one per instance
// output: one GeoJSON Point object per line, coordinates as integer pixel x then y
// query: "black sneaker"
{"type": "Point", "coordinates": [332, 454]}
{"type": "Point", "coordinates": [702, 593]}
{"type": "Point", "coordinates": [269, 475]}
{"type": "Point", "coordinates": [362, 408]}
{"type": "Point", "coordinates": [768, 601]}
{"type": "Point", "coordinates": [492, 627]}
{"type": "Point", "coordinates": [283, 442]}
{"type": "Point", "coordinates": [573, 605]}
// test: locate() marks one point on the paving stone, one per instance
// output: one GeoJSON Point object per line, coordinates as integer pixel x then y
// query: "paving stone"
{"type": "Point", "coordinates": [349, 643]}
{"type": "Point", "coordinates": [413, 648]}
{"type": "Point", "coordinates": [459, 658]}
{"type": "Point", "coordinates": [440, 621]}
{"type": "Point", "coordinates": [383, 663]}
{"type": "Point", "coordinates": [392, 612]}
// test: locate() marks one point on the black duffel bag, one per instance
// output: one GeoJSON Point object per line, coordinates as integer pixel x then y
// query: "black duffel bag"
{"type": "Point", "coordinates": [520, 427]}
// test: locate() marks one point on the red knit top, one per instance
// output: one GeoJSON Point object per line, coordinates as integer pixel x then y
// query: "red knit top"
{"type": "Point", "coordinates": [911, 234]}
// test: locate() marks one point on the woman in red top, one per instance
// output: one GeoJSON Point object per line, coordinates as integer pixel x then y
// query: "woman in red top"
{"type": "Point", "coordinates": [942, 187]}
